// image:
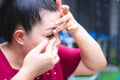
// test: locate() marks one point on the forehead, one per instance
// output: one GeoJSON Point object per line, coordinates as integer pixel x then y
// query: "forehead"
{"type": "Point", "coordinates": [49, 18]}
{"type": "Point", "coordinates": [47, 22]}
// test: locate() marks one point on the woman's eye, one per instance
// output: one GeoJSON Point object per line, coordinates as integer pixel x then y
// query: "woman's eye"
{"type": "Point", "coordinates": [50, 36]}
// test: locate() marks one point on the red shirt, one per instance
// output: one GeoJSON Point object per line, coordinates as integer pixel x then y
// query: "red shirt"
{"type": "Point", "coordinates": [69, 60]}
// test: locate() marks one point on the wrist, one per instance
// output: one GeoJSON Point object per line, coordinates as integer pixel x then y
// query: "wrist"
{"type": "Point", "coordinates": [24, 74]}
{"type": "Point", "coordinates": [79, 32]}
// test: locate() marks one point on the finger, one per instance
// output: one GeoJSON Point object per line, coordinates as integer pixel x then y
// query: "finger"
{"type": "Point", "coordinates": [50, 46]}
{"type": "Point", "coordinates": [55, 56]}
{"type": "Point", "coordinates": [59, 3]}
{"type": "Point", "coordinates": [54, 53]}
{"type": "Point", "coordinates": [41, 46]}
{"type": "Point", "coordinates": [65, 18]}
{"type": "Point", "coordinates": [56, 59]}
{"type": "Point", "coordinates": [60, 27]}
{"type": "Point", "coordinates": [72, 25]}
{"type": "Point", "coordinates": [57, 36]}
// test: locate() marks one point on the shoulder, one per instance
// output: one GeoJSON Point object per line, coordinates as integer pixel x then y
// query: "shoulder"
{"type": "Point", "coordinates": [69, 55]}
{"type": "Point", "coordinates": [69, 58]}
{"type": "Point", "coordinates": [1, 45]}
{"type": "Point", "coordinates": [3, 60]}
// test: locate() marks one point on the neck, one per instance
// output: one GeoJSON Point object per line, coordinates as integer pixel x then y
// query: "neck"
{"type": "Point", "coordinates": [14, 54]}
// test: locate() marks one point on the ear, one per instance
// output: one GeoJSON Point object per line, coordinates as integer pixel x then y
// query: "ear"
{"type": "Point", "coordinates": [19, 35]}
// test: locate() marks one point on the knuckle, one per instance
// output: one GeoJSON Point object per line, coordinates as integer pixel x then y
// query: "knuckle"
{"type": "Point", "coordinates": [67, 17]}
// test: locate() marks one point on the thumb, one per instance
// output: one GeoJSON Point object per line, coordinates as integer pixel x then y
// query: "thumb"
{"type": "Point", "coordinates": [59, 3]}
{"type": "Point", "coordinates": [41, 46]}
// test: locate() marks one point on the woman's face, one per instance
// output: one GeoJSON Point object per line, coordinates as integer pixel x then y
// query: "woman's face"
{"type": "Point", "coordinates": [42, 31]}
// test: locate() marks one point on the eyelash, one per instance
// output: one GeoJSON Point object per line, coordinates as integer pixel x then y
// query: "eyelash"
{"type": "Point", "coordinates": [50, 36]}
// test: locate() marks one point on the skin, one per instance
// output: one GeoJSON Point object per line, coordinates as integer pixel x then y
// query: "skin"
{"type": "Point", "coordinates": [37, 47]}
{"type": "Point", "coordinates": [40, 45]}
{"type": "Point", "coordinates": [90, 49]}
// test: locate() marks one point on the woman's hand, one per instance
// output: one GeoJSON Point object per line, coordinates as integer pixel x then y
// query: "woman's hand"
{"type": "Point", "coordinates": [38, 62]}
{"type": "Point", "coordinates": [66, 21]}
{"type": "Point", "coordinates": [90, 49]}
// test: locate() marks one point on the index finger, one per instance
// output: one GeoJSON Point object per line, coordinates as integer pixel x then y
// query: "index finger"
{"type": "Point", "coordinates": [41, 46]}
{"type": "Point", "coordinates": [50, 45]}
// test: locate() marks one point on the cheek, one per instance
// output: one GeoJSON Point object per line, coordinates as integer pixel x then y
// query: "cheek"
{"type": "Point", "coordinates": [29, 45]}
{"type": "Point", "coordinates": [35, 43]}
{"type": "Point", "coordinates": [32, 42]}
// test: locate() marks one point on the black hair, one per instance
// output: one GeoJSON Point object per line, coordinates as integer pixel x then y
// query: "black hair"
{"type": "Point", "coordinates": [21, 12]}
{"type": "Point", "coordinates": [54, 1]}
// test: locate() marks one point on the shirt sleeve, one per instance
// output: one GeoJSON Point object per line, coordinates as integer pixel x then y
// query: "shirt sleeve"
{"type": "Point", "coordinates": [69, 58]}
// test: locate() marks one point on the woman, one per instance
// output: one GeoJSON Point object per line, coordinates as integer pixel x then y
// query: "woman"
{"type": "Point", "coordinates": [32, 49]}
